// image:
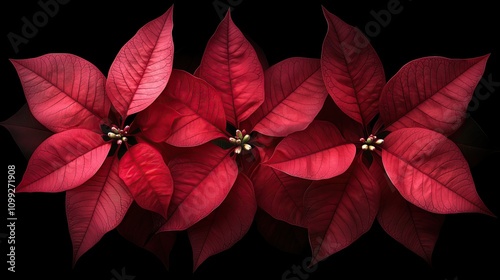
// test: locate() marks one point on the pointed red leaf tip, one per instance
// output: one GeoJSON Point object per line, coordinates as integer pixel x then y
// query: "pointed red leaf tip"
{"type": "Point", "coordinates": [431, 92]}
{"type": "Point", "coordinates": [225, 226]}
{"type": "Point", "coordinates": [96, 207]}
{"type": "Point", "coordinates": [148, 178]}
{"type": "Point", "coordinates": [232, 66]}
{"type": "Point", "coordinates": [212, 173]}
{"type": "Point", "coordinates": [352, 71]}
{"type": "Point", "coordinates": [429, 171]}
{"type": "Point", "coordinates": [295, 94]}
{"type": "Point", "coordinates": [413, 227]}
{"type": "Point", "coordinates": [340, 210]}
{"type": "Point", "coordinates": [64, 161]}
{"type": "Point", "coordinates": [142, 67]}
{"type": "Point", "coordinates": [63, 91]}
{"type": "Point", "coordinates": [316, 153]}
{"type": "Point", "coordinates": [188, 113]}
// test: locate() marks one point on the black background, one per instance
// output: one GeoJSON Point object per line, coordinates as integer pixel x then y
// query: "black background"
{"type": "Point", "coordinates": [468, 246]}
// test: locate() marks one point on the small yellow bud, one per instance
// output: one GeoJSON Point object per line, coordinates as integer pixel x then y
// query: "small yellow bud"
{"type": "Point", "coordinates": [379, 141]}
{"type": "Point", "coordinates": [247, 147]}
{"type": "Point", "coordinates": [364, 147]}
{"type": "Point", "coordinates": [238, 141]}
{"type": "Point", "coordinates": [232, 140]}
{"type": "Point", "coordinates": [111, 135]}
{"type": "Point", "coordinates": [125, 139]}
{"type": "Point", "coordinates": [372, 148]}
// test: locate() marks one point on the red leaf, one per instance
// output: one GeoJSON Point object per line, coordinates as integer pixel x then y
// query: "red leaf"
{"type": "Point", "coordinates": [295, 93]}
{"type": "Point", "coordinates": [63, 91]}
{"type": "Point", "coordinates": [142, 68]}
{"type": "Point", "coordinates": [139, 225]}
{"type": "Point", "coordinates": [340, 210]}
{"type": "Point", "coordinates": [161, 245]}
{"type": "Point", "coordinates": [232, 66]}
{"type": "Point", "coordinates": [26, 131]}
{"type": "Point", "coordinates": [429, 171]}
{"type": "Point", "coordinates": [349, 128]}
{"type": "Point", "coordinates": [318, 152]}
{"type": "Point", "coordinates": [64, 161]}
{"type": "Point", "coordinates": [431, 92]}
{"type": "Point", "coordinates": [280, 195]}
{"type": "Point", "coordinates": [96, 207]}
{"type": "Point", "coordinates": [281, 235]}
{"type": "Point", "coordinates": [226, 225]}
{"type": "Point", "coordinates": [413, 227]}
{"type": "Point", "coordinates": [148, 178]}
{"type": "Point", "coordinates": [352, 71]}
{"type": "Point", "coordinates": [188, 113]}
{"type": "Point", "coordinates": [212, 172]}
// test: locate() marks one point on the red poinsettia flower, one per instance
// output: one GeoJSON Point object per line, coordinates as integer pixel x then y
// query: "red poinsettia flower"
{"type": "Point", "coordinates": [90, 154]}
{"type": "Point", "coordinates": [400, 167]}
{"type": "Point", "coordinates": [228, 112]}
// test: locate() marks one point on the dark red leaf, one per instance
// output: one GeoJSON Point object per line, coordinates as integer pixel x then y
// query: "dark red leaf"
{"type": "Point", "coordinates": [142, 68]}
{"type": "Point", "coordinates": [26, 131]}
{"type": "Point", "coordinates": [161, 245]}
{"type": "Point", "coordinates": [349, 128]}
{"type": "Point", "coordinates": [63, 91]}
{"type": "Point", "coordinates": [148, 178]}
{"type": "Point", "coordinates": [211, 174]}
{"type": "Point", "coordinates": [352, 71]}
{"type": "Point", "coordinates": [280, 194]}
{"type": "Point", "coordinates": [232, 66]}
{"type": "Point", "coordinates": [188, 113]}
{"type": "Point", "coordinates": [295, 93]}
{"type": "Point", "coordinates": [429, 171]}
{"type": "Point", "coordinates": [226, 225]}
{"type": "Point", "coordinates": [281, 235]}
{"type": "Point", "coordinates": [340, 210]}
{"type": "Point", "coordinates": [318, 152]}
{"type": "Point", "coordinates": [96, 207]}
{"type": "Point", "coordinates": [64, 161]}
{"type": "Point", "coordinates": [139, 225]}
{"type": "Point", "coordinates": [431, 92]}
{"type": "Point", "coordinates": [473, 142]}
